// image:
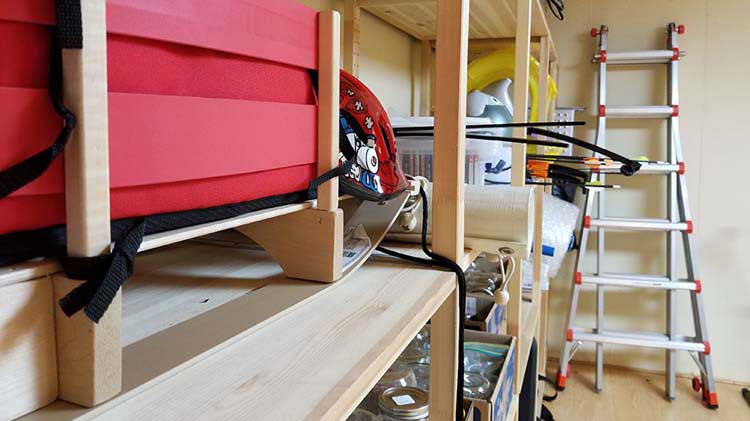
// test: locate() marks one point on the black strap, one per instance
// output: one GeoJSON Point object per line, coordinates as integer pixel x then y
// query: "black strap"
{"type": "Point", "coordinates": [69, 27]}
{"type": "Point", "coordinates": [26, 171]}
{"type": "Point", "coordinates": [312, 189]}
{"type": "Point", "coordinates": [443, 262]}
{"type": "Point", "coordinates": [104, 275]}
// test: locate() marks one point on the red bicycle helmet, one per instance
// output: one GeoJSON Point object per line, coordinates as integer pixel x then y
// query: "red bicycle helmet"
{"type": "Point", "coordinates": [366, 137]}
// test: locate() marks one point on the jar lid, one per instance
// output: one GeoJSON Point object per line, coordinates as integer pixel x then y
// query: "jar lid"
{"type": "Point", "coordinates": [406, 403]}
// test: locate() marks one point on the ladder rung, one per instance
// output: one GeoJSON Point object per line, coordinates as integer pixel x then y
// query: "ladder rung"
{"type": "Point", "coordinates": [636, 276]}
{"type": "Point", "coordinates": [640, 111]}
{"type": "Point", "coordinates": [639, 57]}
{"type": "Point", "coordinates": [641, 224]}
{"type": "Point", "coordinates": [657, 283]}
{"type": "Point", "coordinates": [649, 340]}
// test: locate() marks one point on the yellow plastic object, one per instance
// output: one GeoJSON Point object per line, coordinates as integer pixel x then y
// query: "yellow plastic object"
{"type": "Point", "coordinates": [501, 64]}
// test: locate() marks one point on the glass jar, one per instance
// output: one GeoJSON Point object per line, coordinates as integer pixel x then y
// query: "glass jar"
{"type": "Point", "coordinates": [398, 375]}
{"type": "Point", "coordinates": [422, 374]}
{"type": "Point", "coordinates": [482, 283]}
{"type": "Point", "coordinates": [476, 386]}
{"type": "Point", "coordinates": [404, 403]}
{"type": "Point", "coordinates": [413, 354]}
{"type": "Point", "coordinates": [361, 414]}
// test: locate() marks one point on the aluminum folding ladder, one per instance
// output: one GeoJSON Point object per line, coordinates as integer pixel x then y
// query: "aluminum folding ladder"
{"type": "Point", "coordinates": [678, 222]}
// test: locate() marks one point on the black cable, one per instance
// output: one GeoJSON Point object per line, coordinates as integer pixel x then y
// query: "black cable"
{"type": "Point", "coordinates": [443, 262]}
{"type": "Point", "coordinates": [495, 138]}
{"type": "Point", "coordinates": [398, 130]}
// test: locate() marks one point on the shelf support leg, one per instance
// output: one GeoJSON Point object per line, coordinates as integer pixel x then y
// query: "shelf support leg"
{"type": "Point", "coordinates": [448, 194]}
{"type": "Point", "coordinates": [89, 355]}
{"type": "Point", "coordinates": [520, 88]}
{"type": "Point", "coordinates": [352, 13]}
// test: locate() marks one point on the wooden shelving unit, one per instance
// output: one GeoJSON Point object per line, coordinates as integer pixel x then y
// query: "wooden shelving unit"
{"type": "Point", "coordinates": [213, 325]}
{"type": "Point", "coordinates": [488, 23]}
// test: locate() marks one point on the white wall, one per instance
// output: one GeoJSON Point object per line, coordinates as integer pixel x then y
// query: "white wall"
{"type": "Point", "coordinates": [713, 106]}
{"type": "Point", "coordinates": [385, 60]}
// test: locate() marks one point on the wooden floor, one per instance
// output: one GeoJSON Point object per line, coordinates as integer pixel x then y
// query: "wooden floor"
{"type": "Point", "coordinates": [629, 396]}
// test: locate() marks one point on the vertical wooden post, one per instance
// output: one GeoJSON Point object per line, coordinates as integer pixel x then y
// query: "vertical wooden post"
{"type": "Point", "coordinates": [352, 13]}
{"type": "Point", "coordinates": [89, 355]}
{"type": "Point", "coordinates": [518, 174]}
{"type": "Point", "coordinates": [520, 87]}
{"type": "Point", "coordinates": [448, 195]}
{"type": "Point", "coordinates": [425, 78]}
{"type": "Point", "coordinates": [329, 48]}
{"type": "Point", "coordinates": [538, 297]}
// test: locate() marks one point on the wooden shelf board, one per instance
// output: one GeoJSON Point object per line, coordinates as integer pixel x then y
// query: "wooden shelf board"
{"type": "Point", "coordinates": [27, 271]}
{"type": "Point", "coordinates": [487, 18]}
{"type": "Point", "coordinates": [219, 328]}
{"type": "Point", "coordinates": [529, 322]}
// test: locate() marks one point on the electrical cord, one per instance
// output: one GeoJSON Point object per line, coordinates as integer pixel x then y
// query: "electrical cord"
{"type": "Point", "coordinates": [445, 263]}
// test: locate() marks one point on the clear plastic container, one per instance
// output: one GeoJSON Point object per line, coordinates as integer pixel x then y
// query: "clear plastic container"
{"type": "Point", "coordinates": [415, 153]}
{"type": "Point", "coordinates": [478, 362]}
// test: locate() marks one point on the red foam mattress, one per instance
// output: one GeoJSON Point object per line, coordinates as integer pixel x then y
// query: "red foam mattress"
{"type": "Point", "coordinates": [210, 103]}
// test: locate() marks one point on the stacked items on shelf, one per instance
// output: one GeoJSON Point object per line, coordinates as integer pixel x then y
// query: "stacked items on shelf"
{"type": "Point", "coordinates": [415, 151]}
{"type": "Point", "coordinates": [484, 277]}
{"type": "Point", "coordinates": [402, 392]}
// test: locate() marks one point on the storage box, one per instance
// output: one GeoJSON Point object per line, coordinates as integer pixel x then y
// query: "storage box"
{"type": "Point", "coordinates": [489, 317]}
{"type": "Point", "coordinates": [469, 410]}
{"type": "Point", "coordinates": [415, 153]}
{"type": "Point", "coordinates": [497, 407]}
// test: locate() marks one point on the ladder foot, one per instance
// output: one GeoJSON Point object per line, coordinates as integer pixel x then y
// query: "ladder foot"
{"type": "Point", "coordinates": [560, 381]}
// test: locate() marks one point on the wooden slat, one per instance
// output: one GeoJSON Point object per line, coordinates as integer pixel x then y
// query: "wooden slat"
{"type": "Point", "coordinates": [520, 88]}
{"type": "Point", "coordinates": [352, 21]}
{"type": "Point", "coordinates": [329, 56]}
{"type": "Point", "coordinates": [27, 271]}
{"type": "Point", "coordinates": [489, 18]}
{"type": "Point", "coordinates": [88, 354]}
{"type": "Point", "coordinates": [448, 191]}
{"type": "Point", "coordinates": [425, 79]}
{"type": "Point", "coordinates": [169, 237]}
{"type": "Point", "coordinates": [28, 363]}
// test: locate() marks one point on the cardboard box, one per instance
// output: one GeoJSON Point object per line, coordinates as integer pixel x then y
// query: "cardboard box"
{"type": "Point", "coordinates": [469, 410]}
{"type": "Point", "coordinates": [497, 407]}
{"type": "Point", "coordinates": [490, 316]}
